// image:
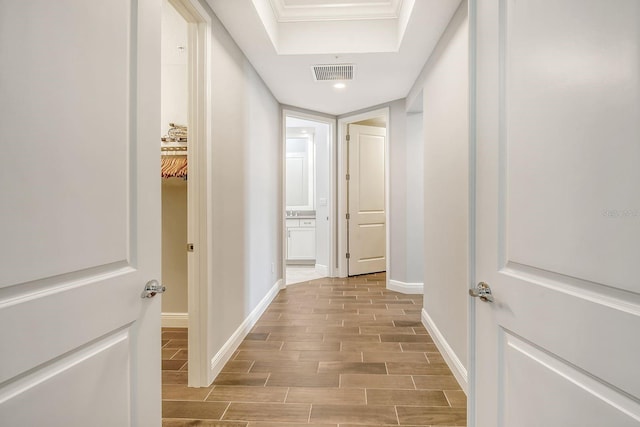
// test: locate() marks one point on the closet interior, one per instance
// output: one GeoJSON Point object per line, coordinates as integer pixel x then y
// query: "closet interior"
{"type": "Point", "coordinates": [174, 164]}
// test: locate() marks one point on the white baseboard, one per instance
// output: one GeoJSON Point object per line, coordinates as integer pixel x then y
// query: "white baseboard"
{"type": "Point", "coordinates": [405, 288]}
{"type": "Point", "coordinates": [175, 320]}
{"type": "Point", "coordinates": [224, 354]}
{"type": "Point", "coordinates": [454, 363]}
{"type": "Point", "coordinates": [322, 270]}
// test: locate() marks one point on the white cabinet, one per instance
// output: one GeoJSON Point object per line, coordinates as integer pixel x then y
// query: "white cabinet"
{"type": "Point", "coordinates": [301, 239]}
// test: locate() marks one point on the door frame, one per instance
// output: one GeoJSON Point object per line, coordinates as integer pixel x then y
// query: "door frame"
{"type": "Point", "coordinates": [343, 246]}
{"type": "Point", "coordinates": [198, 200]}
{"type": "Point", "coordinates": [331, 199]}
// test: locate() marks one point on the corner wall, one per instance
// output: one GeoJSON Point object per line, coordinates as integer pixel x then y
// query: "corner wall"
{"type": "Point", "coordinates": [245, 197]}
{"type": "Point", "coordinates": [445, 82]}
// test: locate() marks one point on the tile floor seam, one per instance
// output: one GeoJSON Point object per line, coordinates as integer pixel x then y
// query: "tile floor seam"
{"type": "Point", "coordinates": [225, 411]}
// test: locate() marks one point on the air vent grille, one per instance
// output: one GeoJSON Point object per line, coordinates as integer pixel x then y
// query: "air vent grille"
{"type": "Point", "coordinates": [333, 72]}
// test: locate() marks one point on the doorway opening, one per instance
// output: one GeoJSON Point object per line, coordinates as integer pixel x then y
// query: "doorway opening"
{"type": "Point", "coordinates": [363, 193]}
{"type": "Point", "coordinates": [308, 153]}
{"type": "Point", "coordinates": [184, 129]}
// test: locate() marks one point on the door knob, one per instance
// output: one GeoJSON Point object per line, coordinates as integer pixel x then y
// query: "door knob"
{"type": "Point", "coordinates": [482, 291]}
{"type": "Point", "coordinates": [152, 288]}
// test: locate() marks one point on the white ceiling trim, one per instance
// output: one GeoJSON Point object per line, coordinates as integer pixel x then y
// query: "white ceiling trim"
{"type": "Point", "coordinates": [327, 10]}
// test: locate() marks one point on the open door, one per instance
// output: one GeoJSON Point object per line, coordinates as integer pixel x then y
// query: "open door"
{"type": "Point", "coordinates": [366, 199]}
{"type": "Point", "coordinates": [80, 213]}
{"type": "Point", "coordinates": [558, 213]}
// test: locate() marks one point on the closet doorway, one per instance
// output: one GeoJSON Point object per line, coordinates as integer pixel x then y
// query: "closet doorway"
{"type": "Point", "coordinates": [184, 126]}
{"type": "Point", "coordinates": [309, 197]}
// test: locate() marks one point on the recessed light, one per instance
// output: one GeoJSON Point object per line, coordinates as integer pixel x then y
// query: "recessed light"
{"type": "Point", "coordinates": [339, 85]}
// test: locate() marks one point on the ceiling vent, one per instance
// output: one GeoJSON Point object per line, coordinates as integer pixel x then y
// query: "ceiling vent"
{"type": "Point", "coordinates": [333, 72]}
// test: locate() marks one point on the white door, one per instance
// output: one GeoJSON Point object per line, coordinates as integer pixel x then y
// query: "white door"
{"type": "Point", "coordinates": [558, 213]}
{"type": "Point", "coordinates": [366, 206]}
{"type": "Point", "coordinates": [80, 209]}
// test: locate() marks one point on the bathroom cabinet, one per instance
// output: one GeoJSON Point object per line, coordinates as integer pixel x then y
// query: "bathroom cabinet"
{"type": "Point", "coordinates": [301, 240]}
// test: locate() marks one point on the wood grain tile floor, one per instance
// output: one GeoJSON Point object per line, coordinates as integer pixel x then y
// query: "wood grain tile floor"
{"type": "Point", "coordinates": [326, 353]}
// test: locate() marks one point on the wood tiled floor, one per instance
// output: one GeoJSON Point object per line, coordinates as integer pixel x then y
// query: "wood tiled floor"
{"type": "Point", "coordinates": [326, 353]}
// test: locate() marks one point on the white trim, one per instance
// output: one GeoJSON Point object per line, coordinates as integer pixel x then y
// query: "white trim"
{"type": "Point", "coordinates": [322, 270]}
{"type": "Point", "coordinates": [405, 288]}
{"type": "Point", "coordinates": [198, 201]}
{"type": "Point", "coordinates": [454, 363]}
{"type": "Point", "coordinates": [175, 320]}
{"type": "Point", "coordinates": [342, 267]}
{"type": "Point", "coordinates": [224, 354]}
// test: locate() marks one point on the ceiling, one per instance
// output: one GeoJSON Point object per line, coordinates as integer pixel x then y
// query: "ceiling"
{"type": "Point", "coordinates": [388, 42]}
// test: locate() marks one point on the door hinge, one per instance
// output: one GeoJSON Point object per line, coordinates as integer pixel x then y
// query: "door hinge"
{"type": "Point", "coordinates": [189, 247]}
{"type": "Point", "coordinates": [348, 216]}
{"type": "Point", "coordinates": [348, 137]}
{"type": "Point", "coordinates": [348, 176]}
{"type": "Point", "coordinates": [348, 255]}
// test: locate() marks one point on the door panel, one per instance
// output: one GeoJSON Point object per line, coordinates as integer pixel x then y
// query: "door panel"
{"type": "Point", "coordinates": [558, 214]}
{"type": "Point", "coordinates": [81, 212]}
{"type": "Point", "coordinates": [366, 206]}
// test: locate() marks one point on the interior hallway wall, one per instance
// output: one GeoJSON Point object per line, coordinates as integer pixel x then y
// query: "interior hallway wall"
{"type": "Point", "coordinates": [444, 82]}
{"type": "Point", "coordinates": [246, 197]}
{"type": "Point", "coordinates": [414, 151]}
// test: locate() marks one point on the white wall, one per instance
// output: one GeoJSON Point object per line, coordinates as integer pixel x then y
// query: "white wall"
{"type": "Point", "coordinates": [397, 191]}
{"type": "Point", "coordinates": [444, 82]}
{"type": "Point", "coordinates": [414, 151]}
{"type": "Point", "coordinates": [246, 196]}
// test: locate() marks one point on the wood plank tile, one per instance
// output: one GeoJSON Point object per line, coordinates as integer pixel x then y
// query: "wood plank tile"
{"type": "Point", "coordinates": [268, 424]}
{"type": "Point", "coordinates": [284, 412]}
{"type": "Point", "coordinates": [279, 329]}
{"type": "Point", "coordinates": [174, 377]}
{"type": "Point", "coordinates": [436, 382]}
{"type": "Point", "coordinates": [182, 392]}
{"type": "Point", "coordinates": [237, 366]}
{"type": "Point", "coordinates": [267, 355]}
{"type": "Point", "coordinates": [422, 347]}
{"type": "Point", "coordinates": [173, 365]}
{"type": "Point", "coordinates": [260, 345]}
{"type": "Point", "coordinates": [310, 346]}
{"type": "Point", "coordinates": [371, 347]}
{"type": "Point", "coordinates": [385, 356]}
{"type": "Point", "coordinates": [198, 410]}
{"type": "Point", "coordinates": [376, 381]}
{"type": "Point", "coordinates": [283, 379]}
{"type": "Point", "coordinates": [434, 416]}
{"type": "Point", "coordinates": [405, 338]}
{"type": "Point", "coordinates": [305, 367]}
{"type": "Point", "coordinates": [177, 343]}
{"type": "Point", "coordinates": [457, 398]}
{"type": "Point", "coordinates": [247, 394]}
{"type": "Point", "coordinates": [336, 396]}
{"type": "Point", "coordinates": [306, 337]}
{"type": "Point", "coordinates": [173, 422]}
{"type": "Point", "coordinates": [331, 356]}
{"type": "Point", "coordinates": [343, 330]}
{"type": "Point", "coordinates": [386, 330]}
{"type": "Point", "coordinates": [352, 368]}
{"type": "Point", "coordinates": [406, 397]}
{"type": "Point", "coordinates": [353, 414]}
{"type": "Point", "coordinates": [237, 378]}
{"type": "Point", "coordinates": [405, 368]}
{"type": "Point", "coordinates": [351, 338]}
{"type": "Point", "coordinates": [252, 336]}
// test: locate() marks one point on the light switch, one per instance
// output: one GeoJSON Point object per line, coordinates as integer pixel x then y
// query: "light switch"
{"type": "Point", "coordinates": [322, 201]}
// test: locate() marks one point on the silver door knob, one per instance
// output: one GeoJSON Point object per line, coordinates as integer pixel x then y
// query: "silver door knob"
{"type": "Point", "coordinates": [152, 288]}
{"type": "Point", "coordinates": [482, 291]}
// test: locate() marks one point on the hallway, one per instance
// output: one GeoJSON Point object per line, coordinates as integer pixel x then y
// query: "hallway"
{"type": "Point", "coordinates": [330, 352]}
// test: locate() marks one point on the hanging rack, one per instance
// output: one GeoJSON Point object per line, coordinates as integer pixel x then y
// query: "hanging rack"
{"type": "Point", "coordinates": [174, 161]}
